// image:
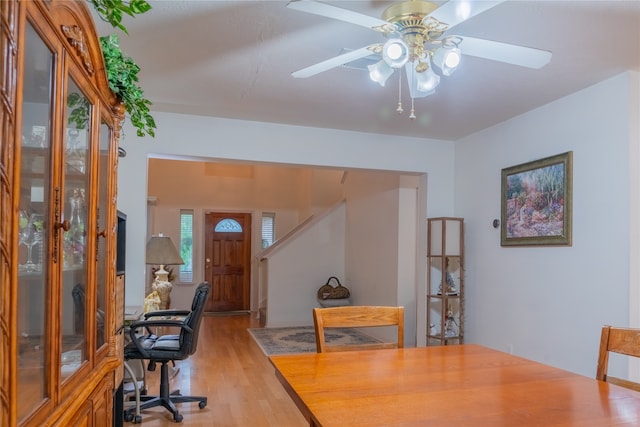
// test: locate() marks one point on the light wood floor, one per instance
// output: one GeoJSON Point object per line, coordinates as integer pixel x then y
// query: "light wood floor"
{"type": "Point", "coordinates": [233, 372]}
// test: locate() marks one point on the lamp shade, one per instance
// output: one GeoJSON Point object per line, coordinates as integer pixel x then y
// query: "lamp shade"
{"type": "Point", "coordinates": [161, 251]}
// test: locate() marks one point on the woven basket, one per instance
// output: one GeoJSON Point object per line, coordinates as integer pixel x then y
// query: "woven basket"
{"type": "Point", "coordinates": [328, 291]}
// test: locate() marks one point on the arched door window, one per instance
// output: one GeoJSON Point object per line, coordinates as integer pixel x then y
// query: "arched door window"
{"type": "Point", "coordinates": [228, 225]}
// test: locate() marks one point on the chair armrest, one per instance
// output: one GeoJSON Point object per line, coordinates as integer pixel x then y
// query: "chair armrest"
{"type": "Point", "coordinates": [147, 324]}
{"type": "Point", "coordinates": [158, 313]}
{"type": "Point", "coordinates": [163, 313]}
{"type": "Point", "coordinates": [159, 322]}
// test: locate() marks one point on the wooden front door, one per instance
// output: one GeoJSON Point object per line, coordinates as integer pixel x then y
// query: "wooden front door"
{"type": "Point", "coordinates": [227, 252]}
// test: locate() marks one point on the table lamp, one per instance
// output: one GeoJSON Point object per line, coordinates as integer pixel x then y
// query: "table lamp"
{"type": "Point", "coordinates": [161, 251]}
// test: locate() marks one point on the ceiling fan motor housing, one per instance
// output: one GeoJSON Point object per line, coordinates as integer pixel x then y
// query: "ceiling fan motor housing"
{"type": "Point", "coordinates": [408, 19]}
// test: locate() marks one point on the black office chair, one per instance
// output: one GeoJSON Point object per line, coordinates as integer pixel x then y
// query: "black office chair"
{"type": "Point", "coordinates": [167, 348]}
{"type": "Point", "coordinates": [79, 298]}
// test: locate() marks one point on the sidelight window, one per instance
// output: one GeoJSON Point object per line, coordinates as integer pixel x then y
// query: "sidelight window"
{"type": "Point", "coordinates": [268, 229]}
{"type": "Point", "coordinates": [186, 245]}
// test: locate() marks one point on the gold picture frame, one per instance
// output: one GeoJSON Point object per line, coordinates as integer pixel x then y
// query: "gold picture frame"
{"type": "Point", "coordinates": [537, 202]}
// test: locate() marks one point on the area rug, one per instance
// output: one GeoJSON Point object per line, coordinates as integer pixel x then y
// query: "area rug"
{"type": "Point", "coordinates": [302, 339]}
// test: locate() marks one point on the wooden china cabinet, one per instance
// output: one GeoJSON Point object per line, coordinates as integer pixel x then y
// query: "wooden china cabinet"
{"type": "Point", "coordinates": [60, 349]}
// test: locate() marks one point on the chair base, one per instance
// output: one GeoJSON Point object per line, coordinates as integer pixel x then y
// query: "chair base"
{"type": "Point", "coordinates": [165, 399]}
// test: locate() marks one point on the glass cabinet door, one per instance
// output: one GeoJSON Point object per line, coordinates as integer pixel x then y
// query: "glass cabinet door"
{"type": "Point", "coordinates": [34, 223]}
{"type": "Point", "coordinates": [103, 213]}
{"type": "Point", "coordinates": [74, 301]}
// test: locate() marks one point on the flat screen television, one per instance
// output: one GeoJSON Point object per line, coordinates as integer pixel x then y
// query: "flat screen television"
{"type": "Point", "coordinates": [121, 242]}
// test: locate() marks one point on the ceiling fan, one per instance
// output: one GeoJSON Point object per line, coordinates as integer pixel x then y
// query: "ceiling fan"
{"type": "Point", "coordinates": [418, 40]}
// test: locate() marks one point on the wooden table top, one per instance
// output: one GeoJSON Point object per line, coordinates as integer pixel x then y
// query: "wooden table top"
{"type": "Point", "coordinates": [449, 386]}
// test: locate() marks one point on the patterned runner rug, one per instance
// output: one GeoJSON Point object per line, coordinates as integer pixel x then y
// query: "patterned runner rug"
{"type": "Point", "coordinates": [302, 339]}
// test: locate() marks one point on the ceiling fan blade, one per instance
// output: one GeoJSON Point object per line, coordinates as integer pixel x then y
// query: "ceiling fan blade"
{"type": "Point", "coordinates": [504, 52]}
{"type": "Point", "coordinates": [334, 12]}
{"type": "Point", "coordinates": [454, 12]}
{"type": "Point", "coordinates": [336, 61]}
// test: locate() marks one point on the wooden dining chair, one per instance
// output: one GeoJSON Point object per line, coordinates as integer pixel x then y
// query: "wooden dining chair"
{"type": "Point", "coordinates": [618, 340]}
{"type": "Point", "coordinates": [357, 317]}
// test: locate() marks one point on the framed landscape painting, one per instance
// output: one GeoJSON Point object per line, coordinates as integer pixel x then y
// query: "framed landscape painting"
{"type": "Point", "coordinates": [536, 202]}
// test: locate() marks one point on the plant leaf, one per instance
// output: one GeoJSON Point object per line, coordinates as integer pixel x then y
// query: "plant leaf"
{"type": "Point", "coordinates": [112, 11]}
{"type": "Point", "coordinates": [122, 73]}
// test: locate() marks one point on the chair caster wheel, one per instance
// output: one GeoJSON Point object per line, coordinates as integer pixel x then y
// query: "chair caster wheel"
{"type": "Point", "coordinates": [202, 404]}
{"type": "Point", "coordinates": [138, 419]}
{"type": "Point", "coordinates": [128, 417]}
{"type": "Point", "coordinates": [177, 418]}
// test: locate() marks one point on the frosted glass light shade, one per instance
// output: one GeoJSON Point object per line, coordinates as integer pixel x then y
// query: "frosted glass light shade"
{"type": "Point", "coordinates": [447, 60]}
{"type": "Point", "coordinates": [395, 53]}
{"type": "Point", "coordinates": [380, 72]}
{"type": "Point", "coordinates": [427, 81]}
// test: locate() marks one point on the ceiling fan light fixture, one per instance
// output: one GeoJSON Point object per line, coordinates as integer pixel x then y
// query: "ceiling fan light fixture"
{"type": "Point", "coordinates": [447, 59]}
{"type": "Point", "coordinates": [417, 40]}
{"type": "Point", "coordinates": [380, 72]}
{"type": "Point", "coordinates": [395, 53]}
{"type": "Point", "coordinates": [426, 81]}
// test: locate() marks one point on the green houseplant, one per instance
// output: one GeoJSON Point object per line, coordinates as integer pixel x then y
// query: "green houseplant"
{"type": "Point", "coordinates": [122, 71]}
{"type": "Point", "coordinates": [112, 10]}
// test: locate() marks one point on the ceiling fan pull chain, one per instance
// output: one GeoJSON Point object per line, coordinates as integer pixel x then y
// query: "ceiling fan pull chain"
{"type": "Point", "coordinates": [412, 116]}
{"type": "Point", "coordinates": [399, 110]}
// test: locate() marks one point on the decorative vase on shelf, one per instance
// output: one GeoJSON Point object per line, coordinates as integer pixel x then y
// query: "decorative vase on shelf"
{"type": "Point", "coordinates": [75, 236]}
{"type": "Point", "coordinates": [450, 325]}
{"type": "Point", "coordinates": [75, 154]}
{"type": "Point", "coordinates": [31, 235]}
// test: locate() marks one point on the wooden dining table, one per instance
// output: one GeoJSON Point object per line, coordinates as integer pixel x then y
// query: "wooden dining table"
{"type": "Point", "coordinates": [459, 385]}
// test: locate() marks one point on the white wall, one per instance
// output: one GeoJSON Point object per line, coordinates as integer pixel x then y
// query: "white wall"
{"type": "Point", "coordinates": [549, 303]}
{"type": "Point", "coordinates": [224, 139]}
{"type": "Point", "coordinates": [372, 239]}
{"type": "Point", "coordinates": [634, 200]}
{"type": "Point", "coordinates": [410, 257]}
{"type": "Point", "coordinates": [301, 265]}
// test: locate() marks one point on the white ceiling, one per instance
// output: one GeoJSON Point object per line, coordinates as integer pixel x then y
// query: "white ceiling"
{"type": "Point", "coordinates": [234, 59]}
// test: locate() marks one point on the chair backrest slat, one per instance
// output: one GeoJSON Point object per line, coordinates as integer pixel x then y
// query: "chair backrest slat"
{"type": "Point", "coordinates": [357, 317]}
{"type": "Point", "coordinates": [624, 341]}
